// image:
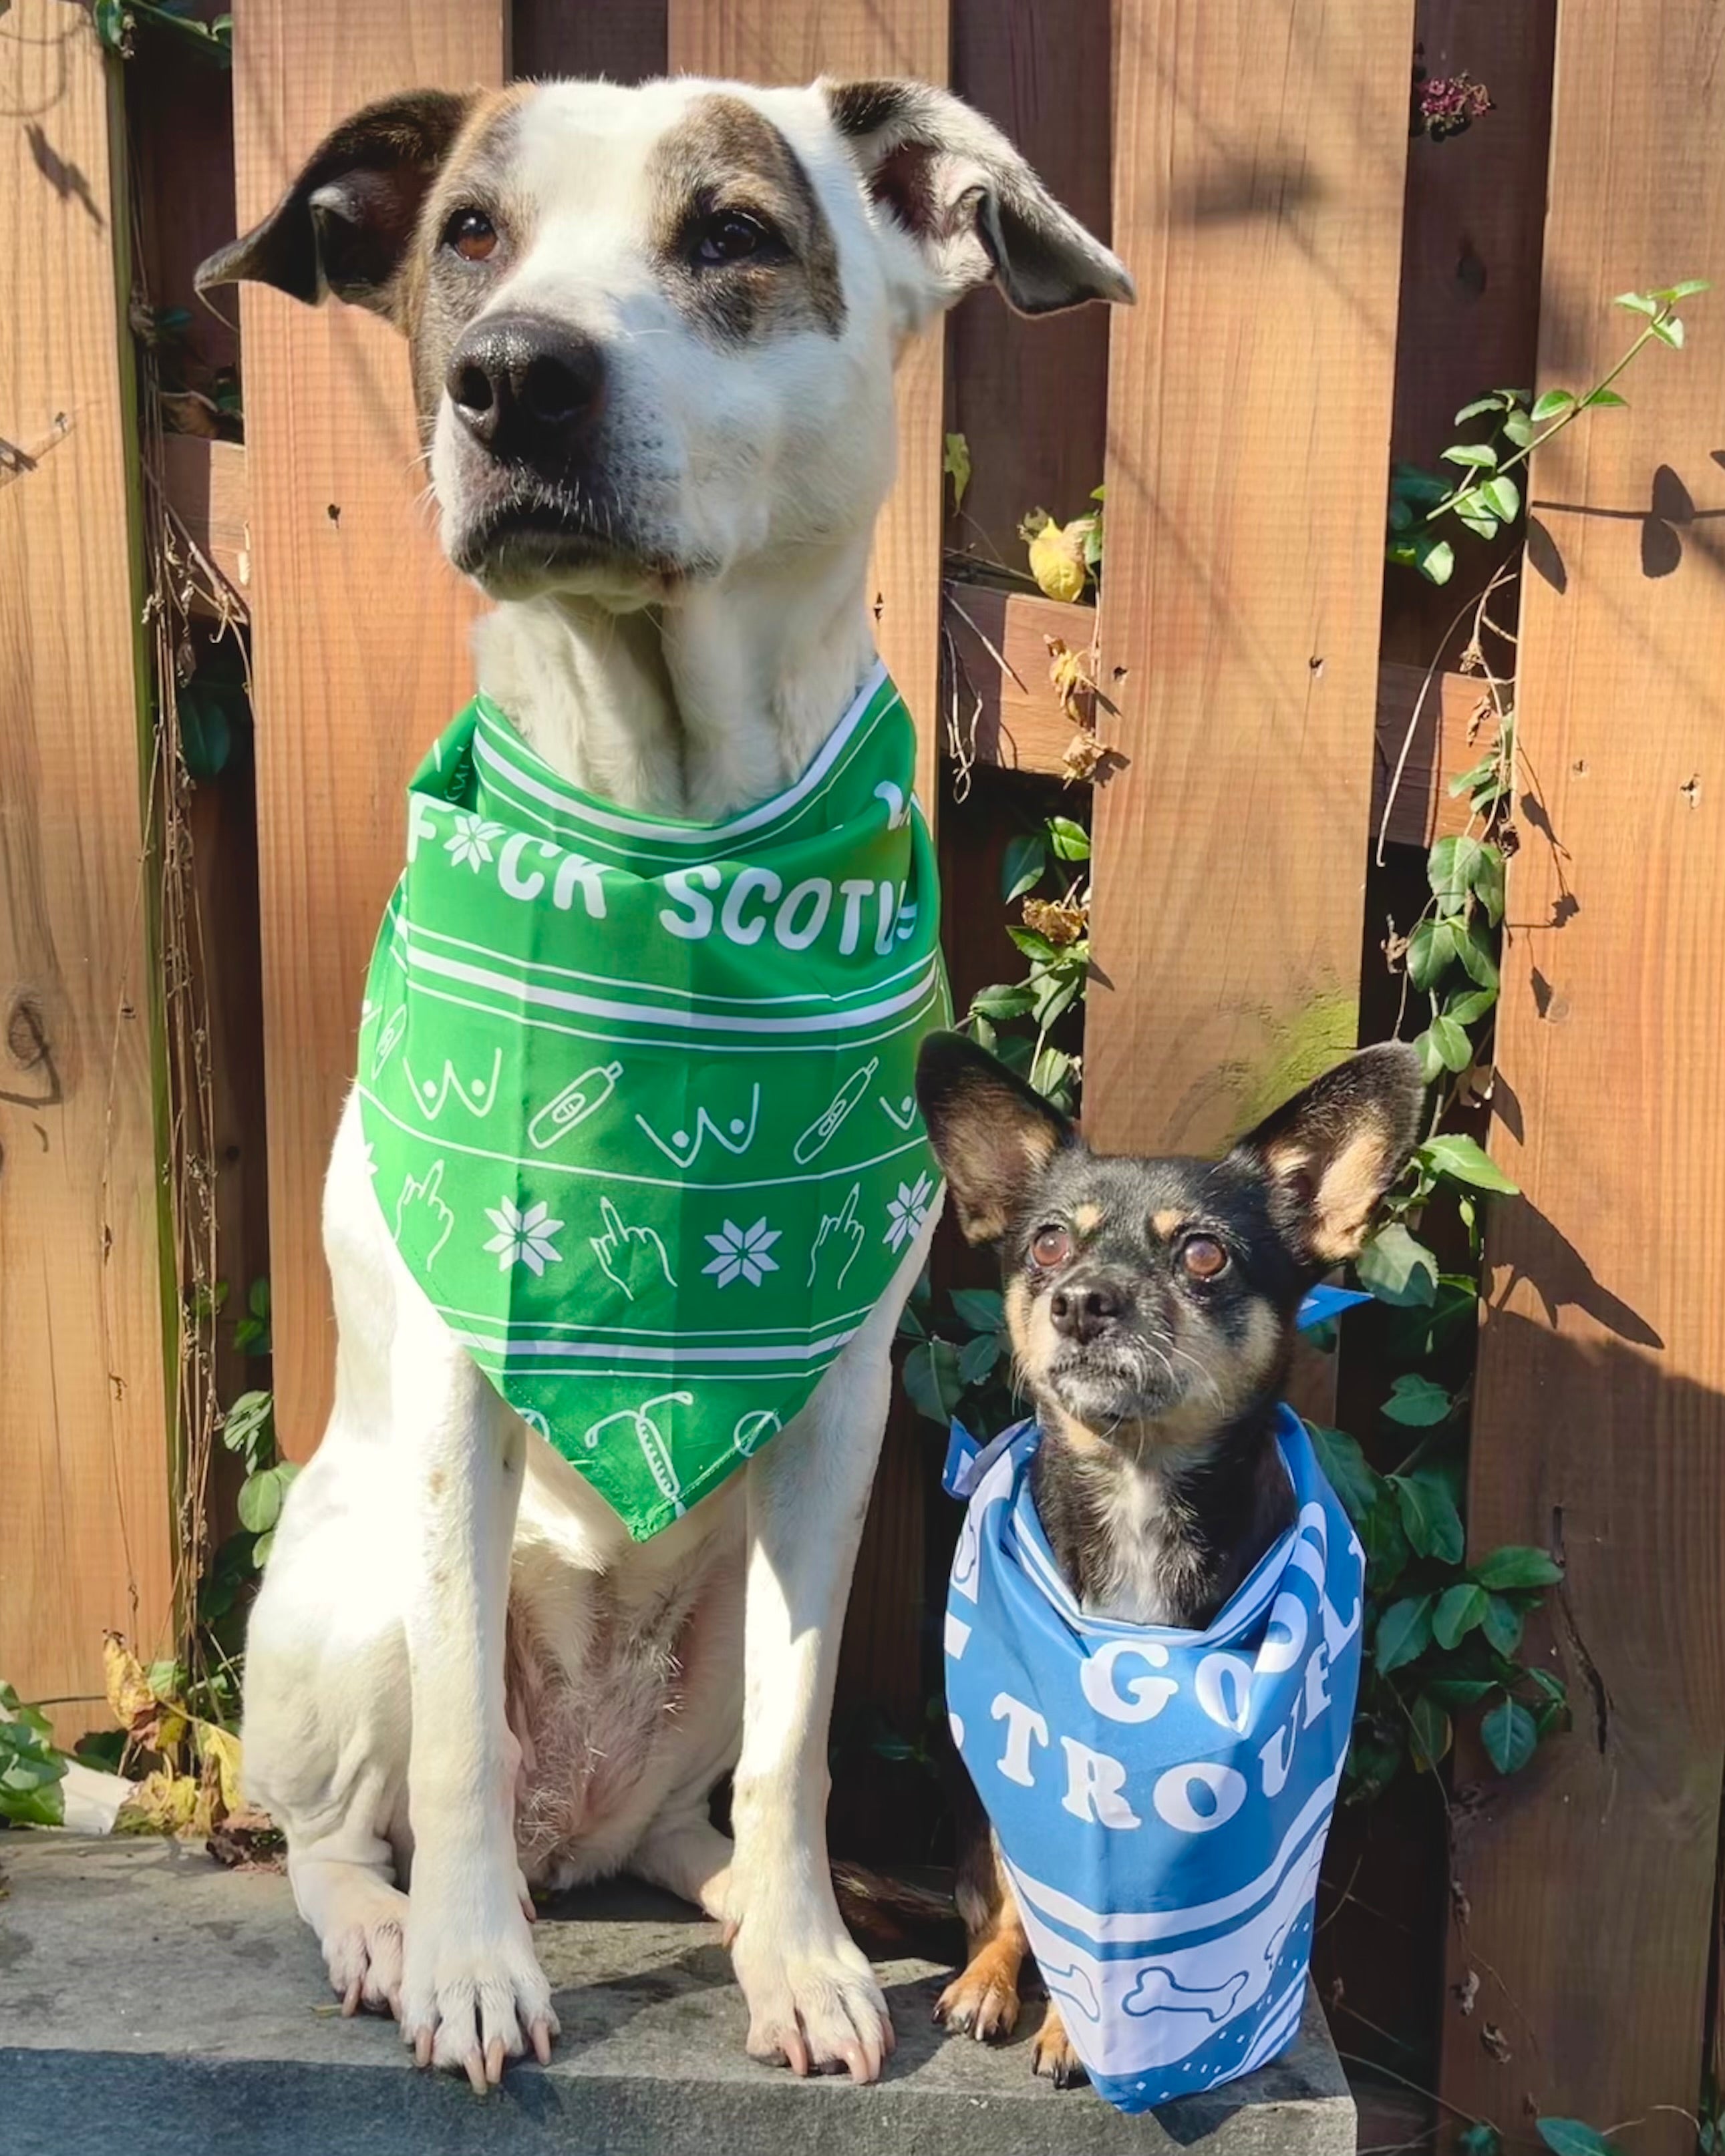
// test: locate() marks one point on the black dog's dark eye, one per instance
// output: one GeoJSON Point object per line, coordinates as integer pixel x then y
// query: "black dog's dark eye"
{"type": "Point", "coordinates": [1203, 1257]}
{"type": "Point", "coordinates": [471, 233]}
{"type": "Point", "coordinates": [1051, 1246]}
{"type": "Point", "coordinates": [730, 236]}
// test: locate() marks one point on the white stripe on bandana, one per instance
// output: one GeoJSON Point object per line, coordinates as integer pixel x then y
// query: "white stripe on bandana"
{"type": "Point", "coordinates": [1162, 1797]}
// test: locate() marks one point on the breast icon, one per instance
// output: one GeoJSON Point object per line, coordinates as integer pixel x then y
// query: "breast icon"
{"type": "Point", "coordinates": [580, 1098]}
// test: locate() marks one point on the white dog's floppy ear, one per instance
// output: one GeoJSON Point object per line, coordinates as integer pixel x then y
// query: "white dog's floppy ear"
{"type": "Point", "coordinates": [969, 205]}
{"type": "Point", "coordinates": [345, 225]}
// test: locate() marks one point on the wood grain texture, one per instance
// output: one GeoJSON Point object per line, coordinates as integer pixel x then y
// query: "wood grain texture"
{"type": "Point", "coordinates": [1031, 398]}
{"type": "Point", "coordinates": [360, 630]}
{"type": "Point", "coordinates": [85, 1502]}
{"type": "Point", "coordinates": [1260, 155]}
{"type": "Point", "coordinates": [1599, 1422]}
{"type": "Point", "coordinates": [1012, 716]}
{"type": "Point", "coordinates": [764, 41]}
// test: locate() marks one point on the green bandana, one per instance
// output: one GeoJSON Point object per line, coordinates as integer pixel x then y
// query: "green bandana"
{"type": "Point", "coordinates": [637, 1093]}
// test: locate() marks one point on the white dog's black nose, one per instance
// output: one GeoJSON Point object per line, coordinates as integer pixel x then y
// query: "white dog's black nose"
{"type": "Point", "coordinates": [526, 387]}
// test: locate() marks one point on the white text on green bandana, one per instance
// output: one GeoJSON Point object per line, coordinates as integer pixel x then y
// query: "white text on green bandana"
{"type": "Point", "coordinates": [638, 1093]}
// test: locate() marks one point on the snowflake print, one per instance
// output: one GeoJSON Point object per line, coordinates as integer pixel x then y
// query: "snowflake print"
{"type": "Point", "coordinates": [523, 1238]}
{"type": "Point", "coordinates": [471, 842]}
{"type": "Point", "coordinates": [743, 1253]}
{"type": "Point", "coordinates": [907, 1212]}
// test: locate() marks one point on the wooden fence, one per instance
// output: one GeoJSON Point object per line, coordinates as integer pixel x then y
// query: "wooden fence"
{"type": "Point", "coordinates": [1317, 293]}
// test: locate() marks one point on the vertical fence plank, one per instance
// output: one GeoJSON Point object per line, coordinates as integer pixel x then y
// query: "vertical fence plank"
{"type": "Point", "coordinates": [360, 631]}
{"type": "Point", "coordinates": [85, 1503]}
{"type": "Point", "coordinates": [1259, 158]}
{"type": "Point", "coordinates": [1599, 1426]}
{"type": "Point", "coordinates": [764, 41]}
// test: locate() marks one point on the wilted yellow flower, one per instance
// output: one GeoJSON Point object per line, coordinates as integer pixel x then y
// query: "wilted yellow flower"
{"type": "Point", "coordinates": [1057, 559]}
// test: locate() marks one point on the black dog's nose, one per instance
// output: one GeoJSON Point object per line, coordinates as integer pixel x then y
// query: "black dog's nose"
{"type": "Point", "coordinates": [526, 387]}
{"type": "Point", "coordinates": [1082, 1310]}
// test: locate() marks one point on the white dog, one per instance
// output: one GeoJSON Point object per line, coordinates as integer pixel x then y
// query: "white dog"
{"type": "Point", "coordinates": [652, 333]}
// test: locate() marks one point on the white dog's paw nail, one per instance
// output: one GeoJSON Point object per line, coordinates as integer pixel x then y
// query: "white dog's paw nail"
{"type": "Point", "coordinates": [820, 2011]}
{"type": "Point", "coordinates": [469, 2009]}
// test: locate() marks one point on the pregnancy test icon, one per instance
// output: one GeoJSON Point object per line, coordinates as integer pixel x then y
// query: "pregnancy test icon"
{"type": "Point", "coordinates": [580, 1098]}
{"type": "Point", "coordinates": [821, 1133]}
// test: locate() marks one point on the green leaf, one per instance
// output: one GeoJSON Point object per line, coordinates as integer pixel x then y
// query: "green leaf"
{"type": "Point", "coordinates": [1485, 874]}
{"type": "Point", "coordinates": [955, 463]}
{"type": "Point", "coordinates": [1071, 841]}
{"type": "Point", "coordinates": [1432, 1733]}
{"type": "Point", "coordinates": [1503, 497]}
{"type": "Point", "coordinates": [1004, 1000]}
{"type": "Point", "coordinates": [110, 22]}
{"type": "Point", "coordinates": [1465, 1160]}
{"type": "Point", "coordinates": [1553, 405]}
{"type": "Point", "coordinates": [1469, 1007]}
{"type": "Point", "coordinates": [1478, 405]}
{"type": "Point", "coordinates": [1507, 1733]}
{"type": "Point", "coordinates": [1385, 1544]}
{"type": "Point", "coordinates": [1398, 1269]}
{"type": "Point", "coordinates": [1034, 946]}
{"type": "Point", "coordinates": [1686, 291]}
{"type": "Point", "coordinates": [1518, 429]}
{"type": "Point", "coordinates": [1449, 869]}
{"type": "Point", "coordinates": [1602, 397]}
{"type": "Point", "coordinates": [1442, 1046]}
{"type": "Point", "coordinates": [260, 1502]}
{"type": "Point", "coordinates": [1051, 1075]}
{"type": "Point", "coordinates": [981, 1308]}
{"type": "Point", "coordinates": [1435, 558]}
{"type": "Point", "coordinates": [1669, 330]}
{"type": "Point", "coordinates": [978, 1356]}
{"type": "Point", "coordinates": [1460, 1609]}
{"type": "Point", "coordinates": [932, 1380]}
{"type": "Point", "coordinates": [1021, 867]}
{"type": "Point", "coordinates": [261, 1548]}
{"type": "Point", "coordinates": [1431, 948]}
{"type": "Point", "coordinates": [1637, 303]}
{"type": "Point", "coordinates": [1458, 1692]}
{"type": "Point", "coordinates": [1515, 1565]}
{"type": "Point", "coordinates": [1404, 1632]}
{"type": "Point", "coordinates": [1476, 456]}
{"type": "Point", "coordinates": [1429, 1518]}
{"type": "Point", "coordinates": [1501, 1624]}
{"type": "Point", "coordinates": [249, 1428]}
{"type": "Point", "coordinates": [1473, 947]}
{"type": "Point", "coordinates": [1475, 513]}
{"type": "Point", "coordinates": [1569, 2137]}
{"type": "Point", "coordinates": [1348, 1471]}
{"type": "Point", "coordinates": [1481, 2140]}
{"type": "Point", "coordinates": [1056, 992]}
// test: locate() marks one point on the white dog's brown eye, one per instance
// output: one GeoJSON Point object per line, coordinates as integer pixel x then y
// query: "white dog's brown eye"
{"type": "Point", "coordinates": [1203, 1256]}
{"type": "Point", "coordinates": [1051, 1246]}
{"type": "Point", "coordinates": [471, 233]}
{"type": "Point", "coordinates": [730, 236]}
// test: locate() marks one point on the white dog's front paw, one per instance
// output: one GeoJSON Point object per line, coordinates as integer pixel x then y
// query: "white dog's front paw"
{"type": "Point", "coordinates": [468, 2003]}
{"type": "Point", "coordinates": [813, 2003]}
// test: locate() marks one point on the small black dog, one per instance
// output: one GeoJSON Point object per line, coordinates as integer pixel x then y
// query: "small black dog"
{"type": "Point", "coordinates": [1151, 1306]}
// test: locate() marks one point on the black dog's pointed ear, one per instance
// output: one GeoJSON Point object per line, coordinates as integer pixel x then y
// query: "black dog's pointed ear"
{"type": "Point", "coordinates": [1331, 1152]}
{"type": "Point", "coordinates": [991, 1134]}
{"type": "Point", "coordinates": [969, 203]}
{"type": "Point", "coordinates": [345, 225]}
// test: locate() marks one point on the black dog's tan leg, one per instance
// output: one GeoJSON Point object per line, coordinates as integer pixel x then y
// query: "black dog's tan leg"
{"type": "Point", "coordinates": [1052, 2055]}
{"type": "Point", "coordinates": [982, 2001]}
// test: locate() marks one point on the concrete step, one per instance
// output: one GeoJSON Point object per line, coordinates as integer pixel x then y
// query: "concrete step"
{"type": "Point", "coordinates": [151, 2002]}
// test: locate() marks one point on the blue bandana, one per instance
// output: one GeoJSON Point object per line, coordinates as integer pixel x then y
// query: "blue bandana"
{"type": "Point", "coordinates": [1162, 1797]}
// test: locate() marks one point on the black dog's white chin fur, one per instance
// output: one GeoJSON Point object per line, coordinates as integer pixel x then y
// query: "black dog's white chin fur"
{"type": "Point", "coordinates": [1100, 1390]}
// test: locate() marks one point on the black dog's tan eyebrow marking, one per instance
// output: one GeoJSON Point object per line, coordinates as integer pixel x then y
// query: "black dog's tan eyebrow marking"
{"type": "Point", "coordinates": [1165, 1223]}
{"type": "Point", "coordinates": [724, 154]}
{"type": "Point", "coordinates": [1087, 1218]}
